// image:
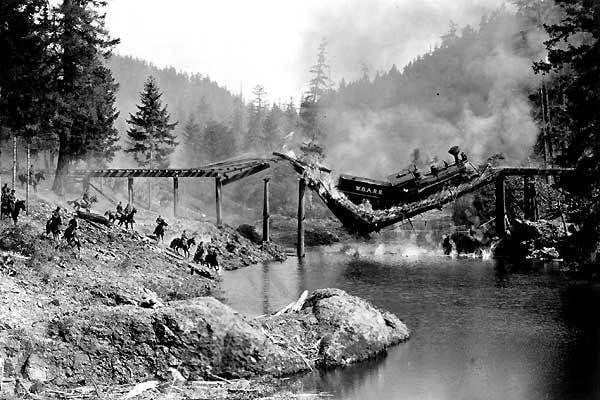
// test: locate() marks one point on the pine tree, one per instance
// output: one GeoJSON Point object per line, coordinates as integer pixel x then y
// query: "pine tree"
{"type": "Point", "coordinates": [573, 54]}
{"type": "Point", "coordinates": [25, 69]}
{"type": "Point", "coordinates": [311, 108]}
{"type": "Point", "coordinates": [84, 85]}
{"type": "Point", "coordinates": [192, 140]}
{"type": "Point", "coordinates": [219, 141]}
{"type": "Point", "coordinates": [257, 115]}
{"type": "Point", "coordinates": [320, 83]}
{"type": "Point", "coordinates": [150, 132]}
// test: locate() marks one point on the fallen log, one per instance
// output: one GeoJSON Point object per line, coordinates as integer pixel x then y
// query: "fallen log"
{"type": "Point", "coordinates": [97, 218]}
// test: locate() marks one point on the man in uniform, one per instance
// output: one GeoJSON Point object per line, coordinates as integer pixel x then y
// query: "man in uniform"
{"type": "Point", "coordinates": [85, 200]}
{"type": "Point", "coordinates": [119, 209]}
{"type": "Point", "coordinates": [11, 197]}
{"type": "Point", "coordinates": [71, 231]}
{"type": "Point", "coordinates": [184, 237]}
{"type": "Point", "coordinates": [127, 209]}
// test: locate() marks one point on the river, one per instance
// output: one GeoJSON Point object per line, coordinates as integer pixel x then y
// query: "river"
{"type": "Point", "coordinates": [480, 329]}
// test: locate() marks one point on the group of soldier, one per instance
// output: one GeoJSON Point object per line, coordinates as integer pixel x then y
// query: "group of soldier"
{"type": "Point", "coordinates": [54, 225]}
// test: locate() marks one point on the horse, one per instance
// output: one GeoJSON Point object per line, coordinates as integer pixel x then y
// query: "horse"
{"type": "Point", "coordinates": [159, 231]}
{"type": "Point", "coordinates": [16, 209]}
{"type": "Point", "coordinates": [177, 244]}
{"type": "Point", "coordinates": [111, 215]}
{"type": "Point", "coordinates": [127, 219]}
{"type": "Point", "coordinates": [34, 180]}
{"type": "Point", "coordinates": [53, 227]}
{"type": "Point", "coordinates": [6, 209]}
{"type": "Point", "coordinates": [211, 260]}
{"type": "Point", "coordinates": [70, 235]}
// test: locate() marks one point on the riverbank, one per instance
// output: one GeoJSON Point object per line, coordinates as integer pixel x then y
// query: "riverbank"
{"type": "Point", "coordinates": [124, 310]}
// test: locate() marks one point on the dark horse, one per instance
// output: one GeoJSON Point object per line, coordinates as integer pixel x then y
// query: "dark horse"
{"type": "Point", "coordinates": [53, 227]}
{"type": "Point", "coordinates": [34, 180]}
{"type": "Point", "coordinates": [111, 215]}
{"type": "Point", "coordinates": [127, 219]}
{"type": "Point", "coordinates": [159, 231]}
{"type": "Point", "coordinates": [12, 210]}
{"type": "Point", "coordinates": [177, 244]}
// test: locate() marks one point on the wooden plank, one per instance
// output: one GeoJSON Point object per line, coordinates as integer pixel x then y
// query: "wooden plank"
{"type": "Point", "coordinates": [252, 171]}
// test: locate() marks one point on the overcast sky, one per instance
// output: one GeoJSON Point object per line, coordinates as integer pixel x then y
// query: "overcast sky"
{"type": "Point", "coordinates": [241, 43]}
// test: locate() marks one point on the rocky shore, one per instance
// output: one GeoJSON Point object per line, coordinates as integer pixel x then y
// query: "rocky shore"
{"type": "Point", "coordinates": [125, 312]}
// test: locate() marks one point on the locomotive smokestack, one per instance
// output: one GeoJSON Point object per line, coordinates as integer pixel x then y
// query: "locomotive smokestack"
{"type": "Point", "coordinates": [454, 151]}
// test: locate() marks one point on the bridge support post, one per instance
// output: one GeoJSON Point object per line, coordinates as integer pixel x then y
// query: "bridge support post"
{"type": "Point", "coordinates": [500, 207]}
{"type": "Point", "coordinates": [266, 212]}
{"type": "Point", "coordinates": [175, 195]}
{"type": "Point", "coordinates": [130, 191]}
{"type": "Point", "coordinates": [218, 187]}
{"type": "Point", "coordinates": [28, 181]}
{"type": "Point", "coordinates": [530, 209]}
{"type": "Point", "coordinates": [300, 243]}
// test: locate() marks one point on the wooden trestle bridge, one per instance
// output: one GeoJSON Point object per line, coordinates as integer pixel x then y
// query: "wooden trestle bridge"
{"type": "Point", "coordinates": [353, 217]}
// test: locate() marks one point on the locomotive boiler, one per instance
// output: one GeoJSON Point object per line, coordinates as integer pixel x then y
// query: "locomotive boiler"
{"type": "Point", "coordinates": [409, 184]}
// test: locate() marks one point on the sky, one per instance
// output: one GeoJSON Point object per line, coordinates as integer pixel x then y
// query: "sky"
{"type": "Point", "coordinates": [242, 43]}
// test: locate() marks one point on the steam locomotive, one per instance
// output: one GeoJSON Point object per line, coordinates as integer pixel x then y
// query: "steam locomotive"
{"type": "Point", "coordinates": [408, 184]}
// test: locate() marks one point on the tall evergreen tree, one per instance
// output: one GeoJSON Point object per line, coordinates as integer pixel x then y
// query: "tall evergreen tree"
{"type": "Point", "coordinates": [25, 67]}
{"type": "Point", "coordinates": [257, 114]}
{"type": "Point", "coordinates": [150, 132]}
{"type": "Point", "coordinates": [219, 141]}
{"type": "Point", "coordinates": [313, 104]}
{"type": "Point", "coordinates": [192, 139]}
{"type": "Point", "coordinates": [574, 54]}
{"type": "Point", "coordinates": [84, 85]}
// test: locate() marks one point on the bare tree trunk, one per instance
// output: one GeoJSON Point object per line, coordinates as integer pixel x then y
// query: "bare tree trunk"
{"type": "Point", "coordinates": [46, 162]}
{"type": "Point", "coordinates": [28, 178]}
{"type": "Point", "coordinates": [62, 168]}
{"type": "Point", "coordinates": [14, 177]}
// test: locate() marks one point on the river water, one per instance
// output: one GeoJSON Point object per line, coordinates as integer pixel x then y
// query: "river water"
{"type": "Point", "coordinates": [480, 329]}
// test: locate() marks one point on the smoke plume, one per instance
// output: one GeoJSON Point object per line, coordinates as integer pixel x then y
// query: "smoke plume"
{"type": "Point", "coordinates": [485, 110]}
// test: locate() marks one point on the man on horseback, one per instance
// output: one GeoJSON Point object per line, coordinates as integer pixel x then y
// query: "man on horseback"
{"type": "Point", "coordinates": [70, 234]}
{"type": "Point", "coordinates": [54, 223]}
{"type": "Point", "coordinates": [8, 203]}
{"type": "Point", "coordinates": [85, 200]}
{"type": "Point", "coordinates": [119, 209]}
{"type": "Point", "coordinates": [159, 231]}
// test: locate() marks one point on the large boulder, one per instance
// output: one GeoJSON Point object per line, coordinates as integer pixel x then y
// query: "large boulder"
{"type": "Point", "coordinates": [337, 329]}
{"type": "Point", "coordinates": [202, 338]}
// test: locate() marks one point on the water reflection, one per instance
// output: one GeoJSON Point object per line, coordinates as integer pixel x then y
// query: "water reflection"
{"type": "Point", "coordinates": [481, 330]}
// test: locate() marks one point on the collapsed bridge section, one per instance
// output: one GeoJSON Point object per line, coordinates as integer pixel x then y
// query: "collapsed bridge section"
{"type": "Point", "coordinates": [364, 220]}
